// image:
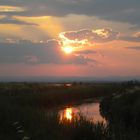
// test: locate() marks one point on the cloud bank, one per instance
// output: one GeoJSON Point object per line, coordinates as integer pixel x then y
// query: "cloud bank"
{"type": "Point", "coordinates": [92, 36]}
{"type": "Point", "coordinates": [134, 48]}
{"type": "Point", "coordinates": [115, 10]}
{"type": "Point", "coordinates": [132, 38]}
{"type": "Point", "coordinates": [39, 53]}
{"type": "Point", "coordinates": [11, 20]}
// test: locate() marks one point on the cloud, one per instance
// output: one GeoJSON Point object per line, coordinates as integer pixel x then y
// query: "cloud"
{"type": "Point", "coordinates": [132, 38]}
{"type": "Point", "coordinates": [39, 53]}
{"type": "Point", "coordinates": [87, 37]}
{"type": "Point", "coordinates": [11, 20]}
{"type": "Point", "coordinates": [135, 27]}
{"type": "Point", "coordinates": [116, 10]}
{"type": "Point", "coordinates": [134, 48]}
{"type": "Point", "coordinates": [86, 52]}
{"type": "Point", "coordinates": [9, 9]}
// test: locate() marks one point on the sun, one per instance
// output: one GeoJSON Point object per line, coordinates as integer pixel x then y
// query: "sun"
{"type": "Point", "coordinates": [71, 45]}
{"type": "Point", "coordinates": [67, 50]}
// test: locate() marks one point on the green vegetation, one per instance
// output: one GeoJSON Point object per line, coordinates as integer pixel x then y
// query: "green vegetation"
{"type": "Point", "coordinates": [24, 112]}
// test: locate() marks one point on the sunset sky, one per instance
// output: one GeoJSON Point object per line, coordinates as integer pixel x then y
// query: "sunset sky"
{"type": "Point", "coordinates": [70, 38]}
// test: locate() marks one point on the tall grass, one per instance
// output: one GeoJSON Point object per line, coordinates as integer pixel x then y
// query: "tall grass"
{"type": "Point", "coordinates": [24, 113]}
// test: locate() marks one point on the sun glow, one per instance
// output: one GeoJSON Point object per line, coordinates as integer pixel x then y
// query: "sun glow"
{"type": "Point", "coordinates": [69, 45]}
{"type": "Point", "coordinates": [67, 50]}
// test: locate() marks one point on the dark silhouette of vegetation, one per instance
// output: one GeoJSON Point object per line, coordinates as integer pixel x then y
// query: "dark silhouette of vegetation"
{"type": "Point", "coordinates": [48, 96]}
{"type": "Point", "coordinates": [24, 112]}
{"type": "Point", "coordinates": [122, 111]}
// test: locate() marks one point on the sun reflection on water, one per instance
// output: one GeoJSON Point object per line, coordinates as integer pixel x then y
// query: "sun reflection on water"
{"type": "Point", "coordinates": [89, 111]}
{"type": "Point", "coordinates": [67, 114]}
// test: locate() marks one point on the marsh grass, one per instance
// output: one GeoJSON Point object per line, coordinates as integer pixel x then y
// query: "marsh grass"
{"type": "Point", "coordinates": [24, 108]}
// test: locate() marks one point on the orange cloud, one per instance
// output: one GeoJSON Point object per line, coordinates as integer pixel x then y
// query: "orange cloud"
{"type": "Point", "coordinates": [7, 9]}
{"type": "Point", "coordinates": [73, 40]}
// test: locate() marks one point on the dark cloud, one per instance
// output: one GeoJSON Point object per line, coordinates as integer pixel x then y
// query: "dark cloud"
{"type": "Point", "coordinates": [134, 48]}
{"type": "Point", "coordinates": [10, 20]}
{"type": "Point", "coordinates": [117, 10]}
{"type": "Point", "coordinates": [92, 36]}
{"type": "Point", "coordinates": [86, 52]}
{"type": "Point", "coordinates": [135, 27]}
{"type": "Point", "coordinates": [130, 38]}
{"type": "Point", "coordinates": [133, 38]}
{"type": "Point", "coordinates": [39, 53]}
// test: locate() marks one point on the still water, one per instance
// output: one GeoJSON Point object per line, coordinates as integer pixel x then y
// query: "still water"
{"type": "Point", "coordinates": [91, 111]}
